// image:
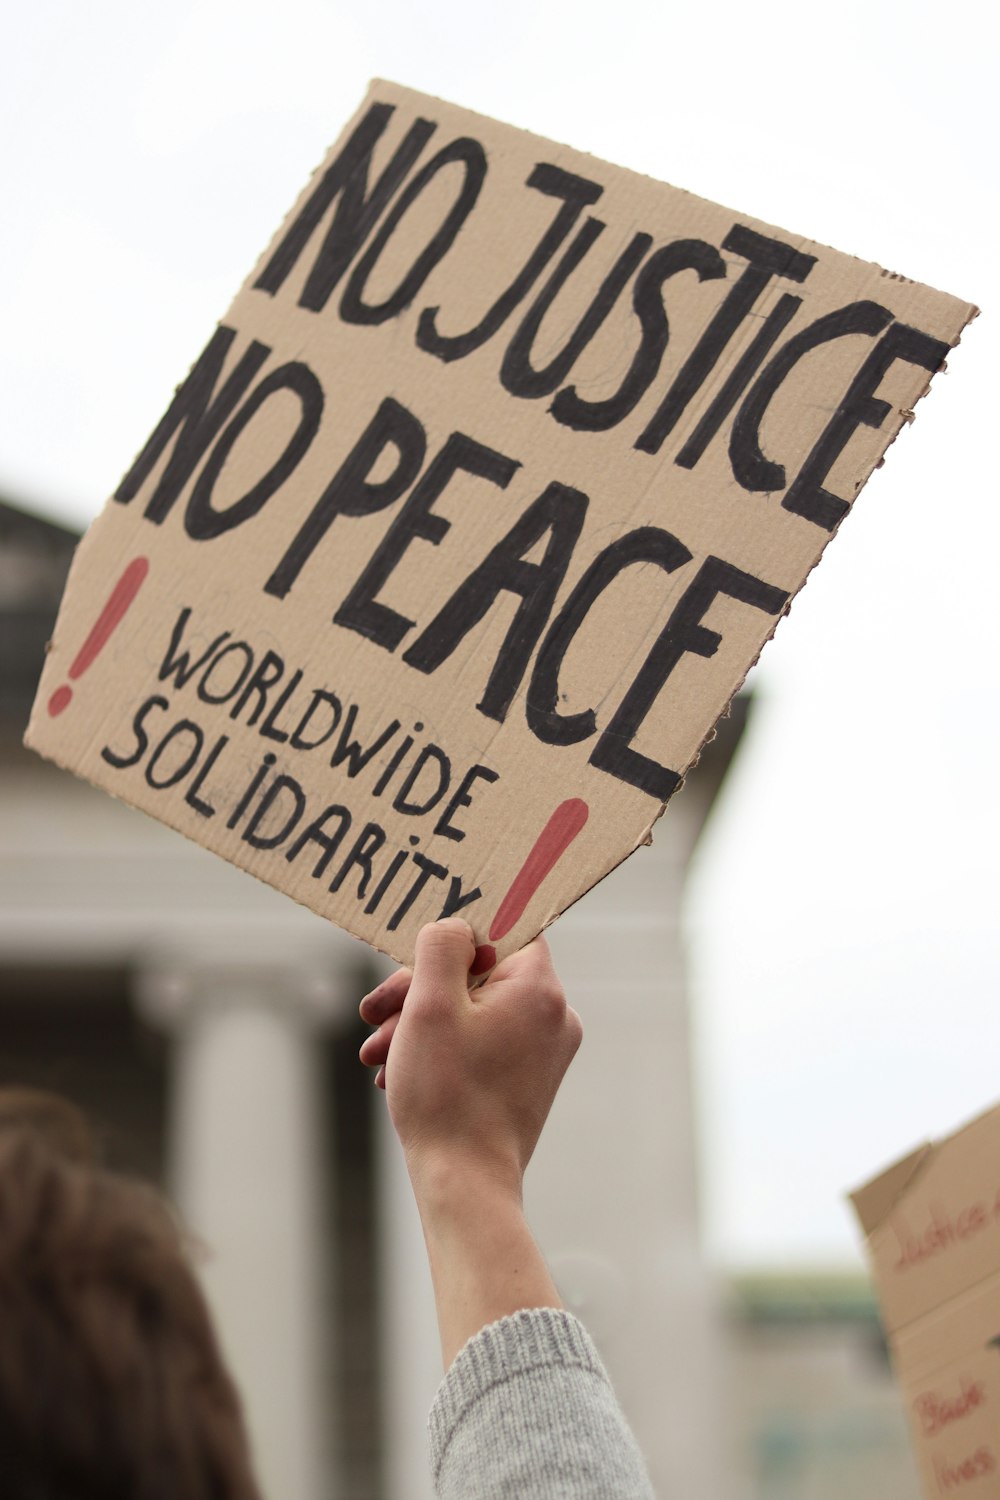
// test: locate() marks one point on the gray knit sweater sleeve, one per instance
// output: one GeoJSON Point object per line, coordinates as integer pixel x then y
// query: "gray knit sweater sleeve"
{"type": "Point", "coordinates": [527, 1412]}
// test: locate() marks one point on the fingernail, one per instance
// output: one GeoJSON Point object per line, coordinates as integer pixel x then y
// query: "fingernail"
{"type": "Point", "coordinates": [458, 921]}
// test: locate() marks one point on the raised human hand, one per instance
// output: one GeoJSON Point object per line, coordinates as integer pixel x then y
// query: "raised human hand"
{"type": "Point", "coordinates": [470, 1076]}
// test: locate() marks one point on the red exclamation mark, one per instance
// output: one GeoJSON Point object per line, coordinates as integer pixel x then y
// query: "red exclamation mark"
{"type": "Point", "coordinates": [106, 623]}
{"type": "Point", "coordinates": [549, 847]}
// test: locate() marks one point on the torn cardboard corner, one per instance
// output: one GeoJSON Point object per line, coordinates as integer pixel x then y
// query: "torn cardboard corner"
{"type": "Point", "coordinates": [469, 521]}
{"type": "Point", "coordinates": [932, 1223]}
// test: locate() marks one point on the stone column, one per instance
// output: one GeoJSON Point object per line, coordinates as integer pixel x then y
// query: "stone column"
{"type": "Point", "coordinates": [612, 1193]}
{"type": "Point", "coordinates": [250, 1173]}
{"type": "Point", "coordinates": [410, 1345]}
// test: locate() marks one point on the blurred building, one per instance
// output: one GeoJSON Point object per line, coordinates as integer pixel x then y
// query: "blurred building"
{"type": "Point", "coordinates": [210, 1027]}
{"type": "Point", "coordinates": [813, 1411]}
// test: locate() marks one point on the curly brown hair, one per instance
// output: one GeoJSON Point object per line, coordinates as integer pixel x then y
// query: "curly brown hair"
{"type": "Point", "coordinates": [112, 1386]}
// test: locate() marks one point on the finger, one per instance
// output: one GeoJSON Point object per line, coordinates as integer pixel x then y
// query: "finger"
{"type": "Point", "coordinates": [386, 998]}
{"type": "Point", "coordinates": [530, 964]}
{"type": "Point", "coordinates": [444, 952]}
{"type": "Point", "coordinates": [379, 1079]}
{"type": "Point", "coordinates": [375, 1048]}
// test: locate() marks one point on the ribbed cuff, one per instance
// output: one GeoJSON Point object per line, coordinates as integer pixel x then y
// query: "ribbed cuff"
{"type": "Point", "coordinates": [538, 1337]}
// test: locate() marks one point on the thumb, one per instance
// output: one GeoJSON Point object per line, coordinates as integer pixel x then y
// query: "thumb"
{"type": "Point", "coordinates": [444, 954]}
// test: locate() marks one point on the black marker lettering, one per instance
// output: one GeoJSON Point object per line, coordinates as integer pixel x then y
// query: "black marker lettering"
{"type": "Point", "coordinates": [577, 193]}
{"type": "Point", "coordinates": [750, 467]}
{"type": "Point", "coordinates": [645, 545]}
{"type": "Point", "coordinates": [560, 511]}
{"type": "Point", "coordinates": [471, 156]}
{"type": "Point", "coordinates": [203, 808]}
{"type": "Point", "coordinates": [767, 258]}
{"type": "Point", "coordinates": [351, 750]}
{"type": "Point", "coordinates": [517, 373]}
{"type": "Point", "coordinates": [571, 409]}
{"type": "Point", "coordinates": [739, 378]}
{"type": "Point", "coordinates": [315, 833]}
{"type": "Point", "coordinates": [279, 785]}
{"type": "Point", "coordinates": [121, 761]}
{"type": "Point", "coordinates": [362, 610]}
{"type": "Point", "coordinates": [195, 415]}
{"type": "Point", "coordinates": [251, 790]}
{"type": "Point", "coordinates": [395, 865]}
{"type": "Point", "coordinates": [202, 521]}
{"type": "Point", "coordinates": [244, 666]}
{"type": "Point", "coordinates": [189, 760]}
{"type": "Point", "coordinates": [683, 633]}
{"type": "Point", "coordinates": [344, 183]}
{"type": "Point", "coordinates": [427, 870]}
{"type": "Point", "coordinates": [428, 798]}
{"type": "Point", "coordinates": [269, 671]}
{"type": "Point", "coordinates": [351, 493]}
{"type": "Point", "coordinates": [319, 698]}
{"type": "Point", "coordinates": [269, 729]}
{"type": "Point", "coordinates": [462, 797]}
{"type": "Point", "coordinates": [457, 899]}
{"type": "Point", "coordinates": [179, 665]}
{"type": "Point", "coordinates": [806, 495]}
{"type": "Point", "coordinates": [368, 842]}
{"type": "Point", "coordinates": [394, 762]}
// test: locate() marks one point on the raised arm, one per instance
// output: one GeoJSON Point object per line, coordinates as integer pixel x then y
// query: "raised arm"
{"type": "Point", "coordinates": [470, 1079]}
{"type": "Point", "coordinates": [526, 1409]}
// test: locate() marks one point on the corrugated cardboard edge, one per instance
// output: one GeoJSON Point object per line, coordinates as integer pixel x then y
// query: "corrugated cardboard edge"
{"type": "Point", "coordinates": [550, 141]}
{"type": "Point", "coordinates": [874, 1202]}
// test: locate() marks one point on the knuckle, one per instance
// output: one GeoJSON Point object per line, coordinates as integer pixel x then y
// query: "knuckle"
{"type": "Point", "coordinates": [551, 1002]}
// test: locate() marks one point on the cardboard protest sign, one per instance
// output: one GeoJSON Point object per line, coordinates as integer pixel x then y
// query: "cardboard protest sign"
{"type": "Point", "coordinates": [933, 1227]}
{"type": "Point", "coordinates": [469, 520]}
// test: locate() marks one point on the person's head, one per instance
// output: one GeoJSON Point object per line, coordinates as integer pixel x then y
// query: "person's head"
{"type": "Point", "coordinates": [112, 1386]}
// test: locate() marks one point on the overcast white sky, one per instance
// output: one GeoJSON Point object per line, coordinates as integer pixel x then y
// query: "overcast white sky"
{"type": "Point", "coordinates": [843, 913]}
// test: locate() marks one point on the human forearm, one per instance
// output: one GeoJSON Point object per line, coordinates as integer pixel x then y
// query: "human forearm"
{"type": "Point", "coordinates": [470, 1079]}
{"type": "Point", "coordinates": [484, 1261]}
